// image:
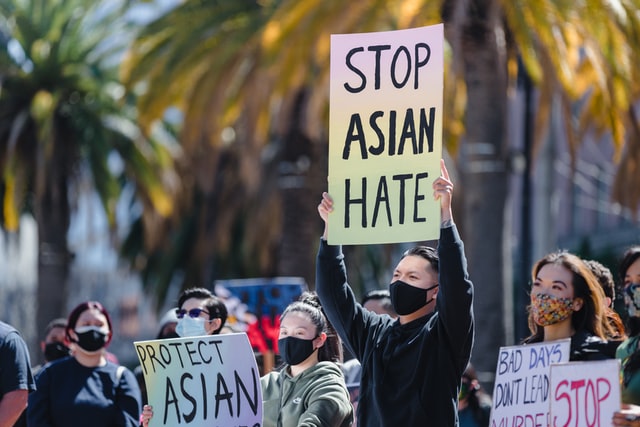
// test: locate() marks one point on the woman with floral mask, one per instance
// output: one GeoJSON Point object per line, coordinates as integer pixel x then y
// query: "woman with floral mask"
{"type": "Point", "coordinates": [85, 388]}
{"type": "Point", "coordinates": [309, 390]}
{"type": "Point", "coordinates": [567, 302]}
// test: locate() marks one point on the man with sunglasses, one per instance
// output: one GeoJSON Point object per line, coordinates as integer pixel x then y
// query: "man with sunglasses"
{"type": "Point", "coordinates": [200, 313]}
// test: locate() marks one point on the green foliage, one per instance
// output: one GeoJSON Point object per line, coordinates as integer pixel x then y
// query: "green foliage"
{"type": "Point", "coordinates": [61, 101]}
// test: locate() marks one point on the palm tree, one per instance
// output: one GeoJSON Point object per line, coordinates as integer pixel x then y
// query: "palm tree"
{"type": "Point", "coordinates": [243, 66]}
{"type": "Point", "coordinates": [62, 109]}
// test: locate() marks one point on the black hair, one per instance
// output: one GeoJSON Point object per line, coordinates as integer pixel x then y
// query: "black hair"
{"type": "Point", "coordinates": [628, 258]}
{"type": "Point", "coordinates": [217, 310]}
{"type": "Point", "coordinates": [425, 252]}
{"type": "Point", "coordinates": [309, 304]}
{"type": "Point", "coordinates": [376, 295]}
{"type": "Point", "coordinates": [632, 364]}
{"type": "Point", "coordinates": [604, 276]}
{"type": "Point", "coordinates": [382, 295]}
{"type": "Point", "coordinates": [197, 293]}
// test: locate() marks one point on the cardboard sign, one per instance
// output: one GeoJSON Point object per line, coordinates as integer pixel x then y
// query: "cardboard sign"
{"type": "Point", "coordinates": [385, 136]}
{"type": "Point", "coordinates": [522, 387]}
{"type": "Point", "coordinates": [585, 393]}
{"type": "Point", "coordinates": [202, 381]}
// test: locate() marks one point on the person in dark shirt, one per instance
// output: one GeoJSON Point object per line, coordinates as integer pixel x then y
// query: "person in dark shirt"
{"type": "Point", "coordinates": [411, 366]}
{"type": "Point", "coordinates": [85, 389]}
{"type": "Point", "coordinates": [16, 380]}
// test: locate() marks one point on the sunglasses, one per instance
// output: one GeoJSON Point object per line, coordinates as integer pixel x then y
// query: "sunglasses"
{"type": "Point", "coordinates": [193, 313]}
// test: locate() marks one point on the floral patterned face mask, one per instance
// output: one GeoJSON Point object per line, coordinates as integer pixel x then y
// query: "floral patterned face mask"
{"type": "Point", "coordinates": [549, 309]}
{"type": "Point", "coordinates": [632, 299]}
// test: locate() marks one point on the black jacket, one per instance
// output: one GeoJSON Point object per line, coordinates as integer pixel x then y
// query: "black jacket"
{"type": "Point", "coordinates": [410, 373]}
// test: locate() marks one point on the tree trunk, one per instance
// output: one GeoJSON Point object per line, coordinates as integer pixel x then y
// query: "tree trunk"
{"type": "Point", "coordinates": [52, 213]}
{"type": "Point", "coordinates": [301, 170]}
{"type": "Point", "coordinates": [484, 176]}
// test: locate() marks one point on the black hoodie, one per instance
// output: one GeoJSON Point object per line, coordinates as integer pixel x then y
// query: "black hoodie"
{"type": "Point", "coordinates": [410, 373]}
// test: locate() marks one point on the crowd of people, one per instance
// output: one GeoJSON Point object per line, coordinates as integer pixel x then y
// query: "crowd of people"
{"type": "Point", "coordinates": [411, 343]}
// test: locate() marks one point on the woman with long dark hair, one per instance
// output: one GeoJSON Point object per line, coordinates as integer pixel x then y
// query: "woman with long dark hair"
{"type": "Point", "coordinates": [568, 302]}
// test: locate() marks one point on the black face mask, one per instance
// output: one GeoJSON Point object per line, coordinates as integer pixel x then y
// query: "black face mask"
{"type": "Point", "coordinates": [406, 298]}
{"type": "Point", "coordinates": [55, 351]}
{"type": "Point", "coordinates": [92, 340]}
{"type": "Point", "coordinates": [295, 350]}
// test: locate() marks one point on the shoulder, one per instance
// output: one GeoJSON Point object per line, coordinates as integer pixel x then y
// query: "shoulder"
{"type": "Point", "coordinates": [330, 368]}
{"type": "Point", "coordinates": [10, 337]}
{"type": "Point", "coordinates": [586, 346]}
{"type": "Point", "coordinates": [270, 383]}
{"type": "Point", "coordinates": [5, 329]}
{"type": "Point", "coordinates": [627, 347]}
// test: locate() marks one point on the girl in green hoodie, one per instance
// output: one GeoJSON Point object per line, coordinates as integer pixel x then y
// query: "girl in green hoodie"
{"type": "Point", "coordinates": [310, 389]}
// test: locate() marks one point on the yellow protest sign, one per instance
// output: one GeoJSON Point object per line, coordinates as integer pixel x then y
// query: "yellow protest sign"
{"type": "Point", "coordinates": [385, 136]}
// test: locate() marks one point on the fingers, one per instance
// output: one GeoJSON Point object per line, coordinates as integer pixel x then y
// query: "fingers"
{"type": "Point", "coordinates": [147, 414]}
{"type": "Point", "coordinates": [442, 187]}
{"type": "Point", "coordinates": [326, 205]}
{"type": "Point", "coordinates": [443, 170]}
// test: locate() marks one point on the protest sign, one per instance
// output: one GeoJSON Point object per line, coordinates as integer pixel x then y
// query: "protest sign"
{"type": "Point", "coordinates": [202, 381]}
{"type": "Point", "coordinates": [385, 135]}
{"type": "Point", "coordinates": [585, 393]}
{"type": "Point", "coordinates": [255, 306]}
{"type": "Point", "coordinates": [521, 388]}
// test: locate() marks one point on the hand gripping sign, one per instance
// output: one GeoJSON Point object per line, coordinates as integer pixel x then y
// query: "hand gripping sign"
{"type": "Point", "coordinates": [202, 381]}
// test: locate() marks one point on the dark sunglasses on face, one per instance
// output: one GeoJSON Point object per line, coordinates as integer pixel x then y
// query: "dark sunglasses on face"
{"type": "Point", "coordinates": [193, 313]}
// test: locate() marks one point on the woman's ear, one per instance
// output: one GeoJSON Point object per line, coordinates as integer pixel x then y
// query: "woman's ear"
{"type": "Point", "coordinates": [319, 342]}
{"type": "Point", "coordinates": [577, 304]}
{"type": "Point", "coordinates": [213, 325]}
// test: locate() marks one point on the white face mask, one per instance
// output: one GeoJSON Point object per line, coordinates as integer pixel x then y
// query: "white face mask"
{"type": "Point", "coordinates": [191, 327]}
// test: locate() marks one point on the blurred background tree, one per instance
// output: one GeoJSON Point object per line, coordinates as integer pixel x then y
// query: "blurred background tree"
{"type": "Point", "coordinates": [252, 81]}
{"type": "Point", "coordinates": [63, 112]}
{"type": "Point", "coordinates": [245, 86]}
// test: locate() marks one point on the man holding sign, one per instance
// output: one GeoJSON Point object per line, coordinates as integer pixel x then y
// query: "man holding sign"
{"type": "Point", "coordinates": [411, 366]}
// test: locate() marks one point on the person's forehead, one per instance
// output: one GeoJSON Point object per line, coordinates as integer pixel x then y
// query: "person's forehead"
{"type": "Point", "coordinates": [296, 319]}
{"type": "Point", "coordinates": [554, 273]}
{"type": "Point", "coordinates": [414, 263]}
{"type": "Point", "coordinates": [55, 332]}
{"type": "Point", "coordinates": [92, 314]}
{"type": "Point", "coordinates": [192, 303]}
{"type": "Point", "coordinates": [634, 269]}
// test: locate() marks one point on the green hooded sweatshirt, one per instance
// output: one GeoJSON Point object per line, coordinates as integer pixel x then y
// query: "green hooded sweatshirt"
{"type": "Point", "coordinates": [316, 397]}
